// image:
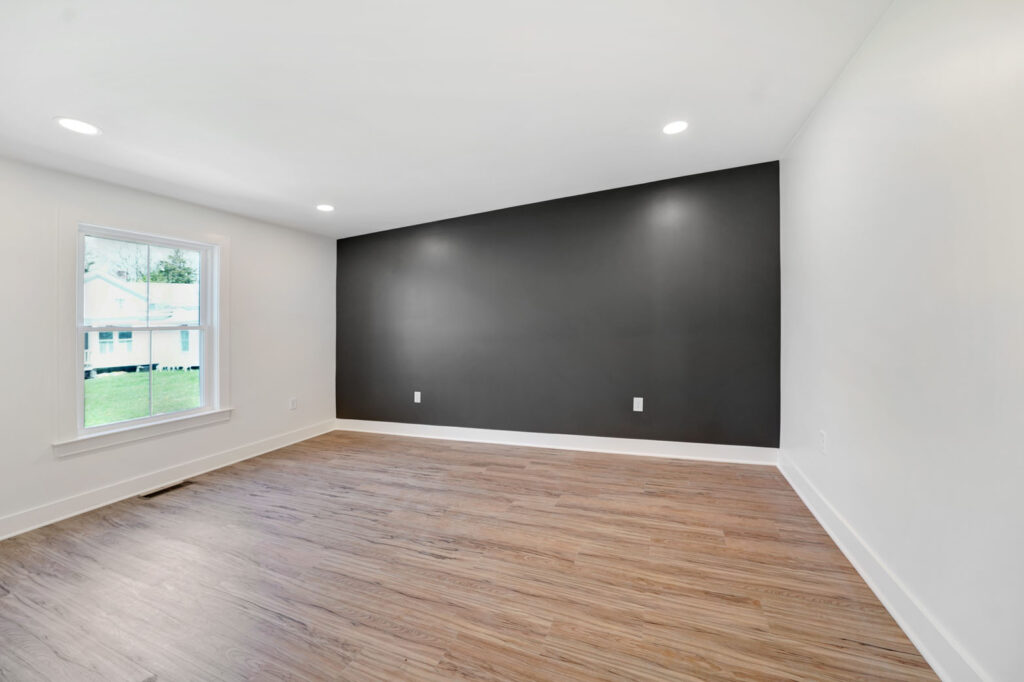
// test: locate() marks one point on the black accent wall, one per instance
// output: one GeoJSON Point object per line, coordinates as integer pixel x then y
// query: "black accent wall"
{"type": "Point", "coordinates": [552, 316]}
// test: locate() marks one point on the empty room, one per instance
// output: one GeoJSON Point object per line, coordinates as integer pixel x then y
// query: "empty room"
{"type": "Point", "coordinates": [488, 340]}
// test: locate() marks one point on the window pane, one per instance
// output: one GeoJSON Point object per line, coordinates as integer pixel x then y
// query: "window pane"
{"type": "Point", "coordinates": [114, 283]}
{"type": "Point", "coordinates": [176, 378]}
{"type": "Point", "coordinates": [173, 287]}
{"type": "Point", "coordinates": [106, 342]}
{"type": "Point", "coordinates": [116, 378]}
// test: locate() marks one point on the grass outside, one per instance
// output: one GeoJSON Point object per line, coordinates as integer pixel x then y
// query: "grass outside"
{"type": "Point", "coordinates": [119, 396]}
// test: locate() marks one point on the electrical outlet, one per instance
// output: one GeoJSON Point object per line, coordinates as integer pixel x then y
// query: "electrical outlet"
{"type": "Point", "coordinates": [416, 397]}
{"type": "Point", "coordinates": [638, 404]}
{"type": "Point", "coordinates": [822, 443]}
{"type": "Point", "coordinates": [293, 403]}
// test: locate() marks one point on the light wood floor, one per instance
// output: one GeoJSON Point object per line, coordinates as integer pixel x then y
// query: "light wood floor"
{"type": "Point", "coordinates": [364, 557]}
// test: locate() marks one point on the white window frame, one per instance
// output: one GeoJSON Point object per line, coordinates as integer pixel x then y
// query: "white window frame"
{"type": "Point", "coordinates": [212, 323]}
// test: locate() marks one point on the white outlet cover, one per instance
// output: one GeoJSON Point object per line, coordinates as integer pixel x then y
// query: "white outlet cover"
{"type": "Point", "coordinates": [638, 404]}
{"type": "Point", "coordinates": [416, 397]}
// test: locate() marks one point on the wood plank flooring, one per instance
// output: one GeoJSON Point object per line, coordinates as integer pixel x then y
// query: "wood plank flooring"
{"type": "Point", "coordinates": [364, 557]}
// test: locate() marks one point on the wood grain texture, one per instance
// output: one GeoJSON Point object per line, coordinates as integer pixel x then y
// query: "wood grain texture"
{"type": "Point", "coordinates": [357, 556]}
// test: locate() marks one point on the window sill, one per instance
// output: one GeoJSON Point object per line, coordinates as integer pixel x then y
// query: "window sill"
{"type": "Point", "coordinates": [128, 434]}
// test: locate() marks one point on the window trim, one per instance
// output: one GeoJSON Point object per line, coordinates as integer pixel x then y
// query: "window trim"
{"type": "Point", "coordinates": [208, 325]}
{"type": "Point", "coordinates": [176, 421]}
{"type": "Point", "coordinates": [142, 219]}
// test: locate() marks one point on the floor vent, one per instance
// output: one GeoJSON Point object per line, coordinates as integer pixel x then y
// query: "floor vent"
{"type": "Point", "coordinates": [161, 491]}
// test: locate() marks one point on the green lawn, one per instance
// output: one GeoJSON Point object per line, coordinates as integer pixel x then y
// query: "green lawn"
{"type": "Point", "coordinates": [116, 397]}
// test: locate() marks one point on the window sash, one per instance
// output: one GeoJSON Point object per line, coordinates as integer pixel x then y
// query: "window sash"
{"type": "Point", "coordinates": [207, 326]}
{"type": "Point", "coordinates": [82, 329]}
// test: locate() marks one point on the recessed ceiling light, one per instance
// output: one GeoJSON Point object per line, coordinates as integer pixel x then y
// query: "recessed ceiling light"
{"type": "Point", "coordinates": [324, 208]}
{"type": "Point", "coordinates": [675, 127]}
{"type": "Point", "coordinates": [76, 126]}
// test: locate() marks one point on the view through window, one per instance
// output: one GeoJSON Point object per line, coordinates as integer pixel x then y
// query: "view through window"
{"type": "Point", "coordinates": [142, 326]}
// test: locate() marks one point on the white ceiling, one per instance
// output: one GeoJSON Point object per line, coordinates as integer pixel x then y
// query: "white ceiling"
{"type": "Point", "coordinates": [404, 111]}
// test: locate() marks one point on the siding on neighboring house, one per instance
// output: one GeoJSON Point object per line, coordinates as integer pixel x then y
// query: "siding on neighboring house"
{"type": "Point", "coordinates": [112, 302]}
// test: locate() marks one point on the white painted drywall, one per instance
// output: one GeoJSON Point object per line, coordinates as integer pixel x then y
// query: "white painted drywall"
{"type": "Point", "coordinates": [903, 316]}
{"type": "Point", "coordinates": [408, 111]}
{"type": "Point", "coordinates": [282, 328]}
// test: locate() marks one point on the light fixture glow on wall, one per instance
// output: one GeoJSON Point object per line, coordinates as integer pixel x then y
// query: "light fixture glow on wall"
{"type": "Point", "coordinates": [76, 126]}
{"type": "Point", "coordinates": [324, 208]}
{"type": "Point", "coordinates": [675, 127]}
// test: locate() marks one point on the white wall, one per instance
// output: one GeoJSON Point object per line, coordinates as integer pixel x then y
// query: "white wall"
{"type": "Point", "coordinates": [281, 320]}
{"type": "Point", "coordinates": [903, 320]}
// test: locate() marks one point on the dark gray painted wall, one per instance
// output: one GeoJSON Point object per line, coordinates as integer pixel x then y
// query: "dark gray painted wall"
{"type": "Point", "coordinates": [552, 316]}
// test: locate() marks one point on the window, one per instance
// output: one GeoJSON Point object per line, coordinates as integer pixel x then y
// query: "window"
{"type": "Point", "coordinates": [154, 295]}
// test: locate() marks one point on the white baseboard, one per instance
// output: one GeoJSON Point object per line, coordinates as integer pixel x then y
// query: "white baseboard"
{"type": "Point", "coordinates": [29, 519]}
{"type": "Point", "coordinates": [741, 454]}
{"type": "Point", "coordinates": [946, 656]}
